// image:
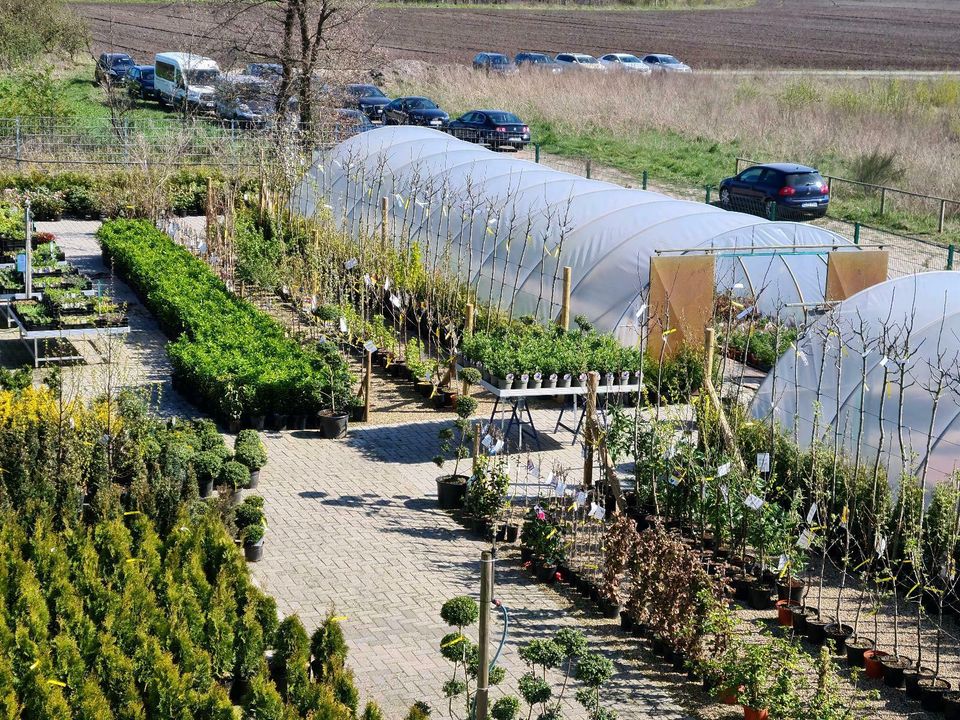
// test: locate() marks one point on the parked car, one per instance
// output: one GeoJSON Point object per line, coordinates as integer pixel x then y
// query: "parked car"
{"type": "Point", "coordinates": [186, 80]}
{"type": "Point", "coordinates": [139, 82]}
{"type": "Point", "coordinates": [112, 67]}
{"type": "Point", "coordinates": [794, 190]}
{"type": "Point", "coordinates": [368, 98]}
{"type": "Point", "coordinates": [414, 111]}
{"type": "Point", "coordinates": [245, 99]}
{"type": "Point", "coordinates": [267, 71]}
{"type": "Point", "coordinates": [659, 62]}
{"type": "Point", "coordinates": [625, 62]}
{"type": "Point", "coordinates": [350, 122]}
{"type": "Point", "coordinates": [580, 61]}
{"type": "Point", "coordinates": [537, 61]}
{"type": "Point", "coordinates": [494, 63]}
{"type": "Point", "coordinates": [495, 128]}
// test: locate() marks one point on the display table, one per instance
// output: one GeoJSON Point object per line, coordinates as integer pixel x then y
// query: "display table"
{"type": "Point", "coordinates": [31, 338]}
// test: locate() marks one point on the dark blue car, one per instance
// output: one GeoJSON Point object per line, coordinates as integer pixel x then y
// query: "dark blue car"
{"type": "Point", "coordinates": [112, 67]}
{"type": "Point", "coordinates": [139, 82]}
{"type": "Point", "coordinates": [777, 190]}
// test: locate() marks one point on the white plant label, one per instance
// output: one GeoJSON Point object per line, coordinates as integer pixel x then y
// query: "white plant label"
{"type": "Point", "coordinates": [386, 284]}
{"type": "Point", "coordinates": [487, 441]}
{"type": "Point", "coordinates": [497, 448]}
{"type": "Point", "coordinates": [538, 377]}
{"type": "Point", "coordinates": [884, 360]}
{"type": "Point", "coordinates": [549, 480]}
{"type": "Point", "coordinates": [812, 513]}
{"type": "Point", "coordinates": [744, 313]}
{"type": "Point", "coordinates": [369, 346]}
{"type": "Point", "coordinates": [763, 462]}
{"type": "Point", "coordinates": [560, 488]}
{"type": "Point", "coordinates": [880, 545]}
{"type": "Point", "coordinates": [674, 480]}
{"type": "Point", "coordinates": [525, 377]}
{"type": "Point", "coordinates": [343, 324]}
{"type": "Point", "coordinates": [803, 357]}
{"type": "Point", "coordinates": [641, 310]}
{"type": "Point", "coordinates": [350, 264]}
{"type": "Point", "coordinates": [723, 470]}
{"type": "Point", "coordinates": [597, 512]}
{"type": "Point", "coordinates": [753, 502]}
{"type": "Point", "coordinates": [580, 499]}
{"type": "Point", "coordinates": [395, 300]}
{"type": "Point", "coordinates": [725, 492]}
{"type": "Point", "coordinates": [532, 469]}
{"type": "Point", "coordinates": [672, 450]}
{"type": "Point", "coordinates": [782, 563]}
{"type": "Point", "coordinates": [323, 340]}
{"type": "Point", "coordinates": [805, 540]}
{"type": "Point", "coordinates": [366, 280]}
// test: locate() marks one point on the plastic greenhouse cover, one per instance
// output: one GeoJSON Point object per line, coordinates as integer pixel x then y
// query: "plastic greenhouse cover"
{"type": "Point", "coordinates": [514, 224]}
{"type": "Point", "coordinates": [897, 341]}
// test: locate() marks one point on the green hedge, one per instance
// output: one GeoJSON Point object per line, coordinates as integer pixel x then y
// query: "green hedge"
{"type": "Point", "coordinates": [236, 361]}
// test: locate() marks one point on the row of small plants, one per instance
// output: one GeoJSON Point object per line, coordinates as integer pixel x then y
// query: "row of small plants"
{"type": "Point", "coordinates": [231, 358]}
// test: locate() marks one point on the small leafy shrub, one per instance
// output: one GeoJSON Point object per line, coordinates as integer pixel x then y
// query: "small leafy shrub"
{"type": "Point", "coordinates": [876, 168]}
{"type": "Point", "coordinates": [249, 450]}
{"type": "Point", "coordinates": [234, 475]}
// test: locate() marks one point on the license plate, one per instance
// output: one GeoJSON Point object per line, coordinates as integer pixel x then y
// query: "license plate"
{"type": "Point", "coordinates": [514, 139]}
{"type": "Point", "coordinates": [435, 122]}
{"type": "Point", "coordinates": [809, 205]}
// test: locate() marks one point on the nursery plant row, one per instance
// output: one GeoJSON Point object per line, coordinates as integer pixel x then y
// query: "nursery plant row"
{"type": "Point", "coordinates": [231, 358]}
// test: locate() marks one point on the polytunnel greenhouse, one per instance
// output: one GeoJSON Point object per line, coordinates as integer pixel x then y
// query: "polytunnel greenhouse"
{"type": "Point", "coordinates": [508, 226]}
{"type": "Point", "coordinates": [877, 377]}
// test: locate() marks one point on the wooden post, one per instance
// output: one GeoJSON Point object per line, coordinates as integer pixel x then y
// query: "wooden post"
{"type": "Point", "coordinates": [708, 341]}
{"type": "Point", "coordinates": [476, 446]}
{"type": "Point", "coordinates": [468, 321]}
{"type": "Point", "coordinates": [565, 307]}
{"type": "Point", "coordinates": [209, 213]}
{"type": "Point", "coordinates": [384, 220]}
{"type": "Point", "coordinates": [590, 426]}
{"type": "Point", "coordinates": [883, 198]}
{"type": "Point", "coordinates": [943, 216]}
{"type": "Point", "coordinates": [367, 381]}
{"type": "Point", "coordinates": [483, 666]}
{"type": "Point", "coordinates": [728, 437]}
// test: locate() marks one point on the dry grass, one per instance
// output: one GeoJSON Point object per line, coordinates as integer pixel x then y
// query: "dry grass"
{"type": "Point", "coordinates": [701, 122]}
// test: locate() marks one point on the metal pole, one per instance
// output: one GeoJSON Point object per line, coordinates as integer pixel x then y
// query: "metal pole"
{"type": "Point", "coordinates": [856, 233]}
{"type": "Point", "coordinates": [17, 133]}
{"type": "Point", "coordinates": [588, 168]}
{"type": "Point", "coordinates": [367, 383]}
{"type": "Point", "coordinates": [644, 179]}
{"type": "Point", "coordinates": [28, 250]}
{"type": "Point", "coordinates": [943, 215]}
{"type": "Point", "coordinates": [708, 188]}
{"type": "Point", "coordinates": [536, 152]}
{"type": "Point", "coordinates": [950, 257]}
{"type": "Point", "coordinates": [486, 599]}
{"type": "Point", "coordinates": [883, 198]}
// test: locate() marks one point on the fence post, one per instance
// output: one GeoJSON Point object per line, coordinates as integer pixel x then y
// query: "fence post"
{"type": "Point", "coordinates": [772, 212]}
{"type": "Point", "coordinates": [856, 233]}
{"type": "Point", "coordinates": [950, 257]}
{"type": "Point", "coordinates": [588, 168]}
{"type": "Point", "coordinates": [644, 179]}
{"type": "Point", "coordinates": [708, 188]}
{"type": "Point", "coordinates": [18, 140]}
{"type": "Point", "coordinates": [590, 427]}
{"type": "Point", "coordinates": [943, 215]}
{"type": "Point", "coordinates": [883, 198]}
{"type": "Point", "coordinates": [536, 152]}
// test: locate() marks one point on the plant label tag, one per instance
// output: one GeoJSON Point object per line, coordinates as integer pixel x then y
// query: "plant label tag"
{"type": "Point", "coordinates": [553, 377]}
{"type": "Point", "coordinates": [672, 450]}
{"type": "Point", "coordinates": [21, 262]}
{"type": "Point", "coordinates": [802, 357]}
{"type": "Point", "coordinates": [350, 264]}
{"type": "Point", "coordinates": [782, 563]}
{"type": "Point", "coordinates": [343, 324]}
{"type": "Point", "coordinates": [323, 340]}
{"type": "Point", "coordinates": [812, 513]}
{"type": "Point", "coordinates": [487, 441]}
{"type": "Point", "coordinates": [395, 300]}
{"type": "Point", "coordinates": [580, 499]}
{"type": "Point", "coordinates": [641, 310]}
{"type": "Point", "coordinates": [386, 284]}
{"type": "Point", "coordinates": [880, 545]}
{"type": "Point", "coordinates": [560, 488]}
{"type": "Point", "coordinates": [805, 540]}
{"type": "Point", "coordinates": [625, 377]}
{"type": "Point", "coordinates": [509, 377]}
{"type": "Point", "coordinates": [533, 469]}
{"type": "Point", "coordinates": [597, 512]}
{"type": "Point", "coordinates": [497, 448]}
{"type": "Point", "coordinates": [674, 480]}
{"type": "Point", "coordinates": [525, 377]}
{"type": "Point", "coordinates": [367, 281]}
{"type": "Point", "coordinates": [763, 462]}
{"type": "Point", "coordinates": [744, 313]}
{"type": "Point", "coordinates": [567, 377]}
{"type": "Point", "coordinates": [723, 470]}
{"type": "Point", "coordinates": [725, 492]}
{"type": "Point", "coordinates": [884, 360]}
{"type": "Point", "coordinates": [369, 346]}
{"type": "Point", "coordinates": [753, 502]}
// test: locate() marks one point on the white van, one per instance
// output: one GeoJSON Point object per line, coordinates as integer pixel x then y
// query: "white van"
{"type": "Point", "coordinates": [185, 79]}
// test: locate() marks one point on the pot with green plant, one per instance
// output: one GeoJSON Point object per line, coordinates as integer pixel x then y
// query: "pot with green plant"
{"type": "Point", "coordinates": [233, 477]}
{"type": "Point", "coordinates": [251, 524]}
{"type": "Point", "coordinates": [767, 676]}
{"type": "Point", "coordinates": [543, 540]}
{"type": "Point", "coordinates": [487, 493]}
{"type": "Point", "coordinates": [248, 449]}
{"type": "Point", "coordinates": [207, 464]}
{"type": "Point", "coordinates": [452, 489]}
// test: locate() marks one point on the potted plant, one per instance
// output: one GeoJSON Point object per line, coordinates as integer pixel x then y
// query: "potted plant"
{"type": "Point", "coordinates": [207, 464]}
{"type": "Point", "coordinates": [248, 449]}
{"type": "Point", "coordinates": [619, 539]}
{"type": "Point", "coordinates": [333, 423]}
{"type": "Point", "coordinates": [233, 476]}
{"type": "Point", "coordinates": [452, 489]}
{"type": "Point", "coordinates": [542, 543]}
{"type": "Point", "coordinates": [486, 494]}
{"type": "Point", "coordinates": [251, 523]}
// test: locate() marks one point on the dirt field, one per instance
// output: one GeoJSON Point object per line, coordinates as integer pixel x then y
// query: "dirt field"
{"type": "Point", "coordinates": [835, 34]}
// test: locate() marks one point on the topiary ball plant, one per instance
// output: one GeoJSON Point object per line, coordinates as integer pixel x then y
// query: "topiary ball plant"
{"type": "Point", "coordinates": [460, 611]}
{"type": "Point", "coordinates": [506, 708]}
{"type": "Point", "coordinates": [249, 450]}
{"type": "Point", "coordinates": [234, 475]}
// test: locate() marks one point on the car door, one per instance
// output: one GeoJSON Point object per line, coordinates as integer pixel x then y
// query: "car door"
{"type": "Point", "coordinates": [745, 186]}
{"type": "Point", "coordinates": [653, 61]}
{"type": "Point", "coordinates": [471, 126]}
{"type": "Point", "coordinates": [459, 127]}
{"type": "Point", "coordinates": [391, 113]}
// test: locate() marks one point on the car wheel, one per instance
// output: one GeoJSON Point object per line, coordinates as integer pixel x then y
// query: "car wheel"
{"type": "Point", "coordinates": [725, 198]}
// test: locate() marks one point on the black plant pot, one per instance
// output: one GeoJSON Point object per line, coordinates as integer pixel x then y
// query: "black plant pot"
{"type": "Point", "coordinates": [856, 647]}
{"type": "Point", "coordinates": [356, 413]}
{"type": "Point", "coordinates": [741, 587]}
{"type": "Point", "coordinates": [206, 488]}
{"type": "Point", "coordinates": [678, 660]}
{"type": "Point", "coordinates": [333, 425]}
{"type": "Point", "coordinates": [298, 422]}
{"type": "Point", "coordinates": [912, 678]}
{"type": "Point", "coordinates": [546, 573]}
{"type": "Point", "coordinates": [760, 593]}
{"type": "Point", "coordinates": [659, 645]}
{"type": "Point", "coordinates": [525, 553]}
{"type": "Point", "coordinates": [568, 576]}
{"type": "Point", "coordinates": [451, 490]}
{"type": "Point", "coordinates": [792, 592]}
{"type": "Point", "coordinates": [893, 668]}
{"type": "Point", "coordinates": [626, 621]}
{"type": "Point", "coordinates": [640, 630]}
{"type": "Point", "coordinates": [800, 617]}
{"type": "Point", "coordinates": [838, 634]}
{"type": "Point", "coordinates": [513, 532]}
{"type": "Point", "coordinates": [254, 479]}
{"type": "Point", "coordinates": [253, 553]}
{"type": "Point", "coordinates": [932, 691]}
{"type": "Point", "coordinates": [816, 629]}
{"type": "Point", "coordinates": [587, 589]}
{"type": "Point", "coordinates": [277, 421]}
{"type": "Point", "coordinates": [611, 609]}
{"type": "Point", "coordinates": [258, 422]}
{"type": "Point", "coordinates": [240, 690]}
{"type": "Point", "coordinates": [951, 705]}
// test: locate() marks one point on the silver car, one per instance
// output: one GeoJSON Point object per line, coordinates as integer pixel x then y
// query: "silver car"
{"type": "Point", "coordinates": [580, 61]}
{"type": "Point", "coordinates": [625, 62]}
{"type": "Point", "coordinates": [659, 62]}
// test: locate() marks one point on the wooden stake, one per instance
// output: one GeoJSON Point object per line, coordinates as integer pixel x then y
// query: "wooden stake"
{"type": "Point", "coordinates": [565, 307]}
{"type": "Point", "coordinates": [590, 426]}
{"type": "Point", "coordinates": [384, 220]}
{"type": "Point", "coordinates": [468, 321]}
{"type": "Point", "coordinates": [476, 446]}
{"type": "Point", "coordinates": [367, 381]}
{"type": "Point", "coordinates": [729, 439]}
{"type": "Point", "coordinates": [209, 212]}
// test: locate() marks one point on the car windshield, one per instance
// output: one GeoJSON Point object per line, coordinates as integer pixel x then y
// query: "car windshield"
{"type": "Point", "coordinates": [201, 77]}
{"type": "Point", "coordinates": [669, 60]}
{"type": "Point", "coordinates": [503, 117]}
{"type": "Point", "coordinates": [538, 58]}
{"type": "Point", "coordinates": [147, 73]}
{"type": "Point", "coordinates": [499, 60]}
{"type": "Point", "coordinates": [121, 62]}
{"type": "Point", "coordinates": [806, 178]}
{"type": "Point", "coordinates": [630, 59]}
{"type": "Point", "coordinates": [366, 91]}
{"type": "Point", "coordinates": [421, 104]}
{"type": "Point", "coordinates": [586, 59]}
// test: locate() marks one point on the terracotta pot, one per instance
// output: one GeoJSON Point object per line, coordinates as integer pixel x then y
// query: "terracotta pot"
{"type": "Point", "coordinates": [751, 714]}
{"type": "Point", "coordinates": [872, 662]}
{"type": "Point", "coordinates": [893, 669]}
{"type": "Point", "coordinates": [785, 612]}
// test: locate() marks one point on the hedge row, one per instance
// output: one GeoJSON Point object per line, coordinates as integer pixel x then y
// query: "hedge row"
{"type": "Point", "coordinates": [236, 361]}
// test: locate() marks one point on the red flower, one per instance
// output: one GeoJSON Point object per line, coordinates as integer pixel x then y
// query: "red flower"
{"type": "Point", "coordinates": [557, 577]}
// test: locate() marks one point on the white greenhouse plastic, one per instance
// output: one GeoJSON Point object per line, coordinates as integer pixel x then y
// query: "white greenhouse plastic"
{"type": "Point", "coordinates": [898, 340]}
{"type": "Point", "coordinates": [512, 224]}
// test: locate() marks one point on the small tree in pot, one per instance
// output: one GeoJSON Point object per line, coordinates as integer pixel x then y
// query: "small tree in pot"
{"type": "Point", "coordinates": [487, 493]}
{"type": "Point", "coordinates": [249, 450]}
{"type": "Point", "coordinates": [619, 540]}
{"type": "Point", "coordinates": [594, 671]}
{"type": "Point", "coordinates": [233, 476]}
{"type": "Point", "coordinates": [251, 524]}
{"type": "Point", "coordinates": [451, 489]}
{"type": "Point", "coordinates": [542, 543]}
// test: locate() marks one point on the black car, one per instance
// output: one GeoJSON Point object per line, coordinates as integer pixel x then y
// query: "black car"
{"type": "Point", "coordinates": [368, 98]}
{"type": "Point", "coordinates": [495, 128]}
{"type": "Point", "coordinates": [139, 82]}
{"type": "Point", "coordinates": [350, 122]}
{"type": "Point", "coordinates": [414, 111]}
{"type": "Point", "coordinates": [267, 71]}
{"type": "Point", "coordinates": [777, 190]}
{"type": "Point", "coordinates": [537, 61]}
{"type": "Point", "coordinates": [112, 67]}
{"type": "Point", "coordinates": [494, 63]}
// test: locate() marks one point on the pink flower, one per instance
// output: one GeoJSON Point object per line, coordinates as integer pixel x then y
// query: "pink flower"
{"type": "Point", "coordinates": [541, 515]}
{"type": "Point", "coordinates": [557, 577]}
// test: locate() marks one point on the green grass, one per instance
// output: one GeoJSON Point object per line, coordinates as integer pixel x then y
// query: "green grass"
{"type": "Point", "coordinates": [83, 99]}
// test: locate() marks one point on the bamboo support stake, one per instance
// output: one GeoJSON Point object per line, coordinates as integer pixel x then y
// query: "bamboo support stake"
{"type": "Point", "coordinates": [367, 381]}
{"type": "Point", "coordinates": [384, 220]}
{"type": "Point", "coordinates": [565, 308]}
{"type": "Point", "coordinates": [728, 436]}
{"type": "Point", "coordinates": [476, 446]}
{"type": "Point", "coordinates": [468, 321]}
{"type": "Point", "coordinates": [590, 426]}
{"type": "Point", "coordinates": [209, 229]}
